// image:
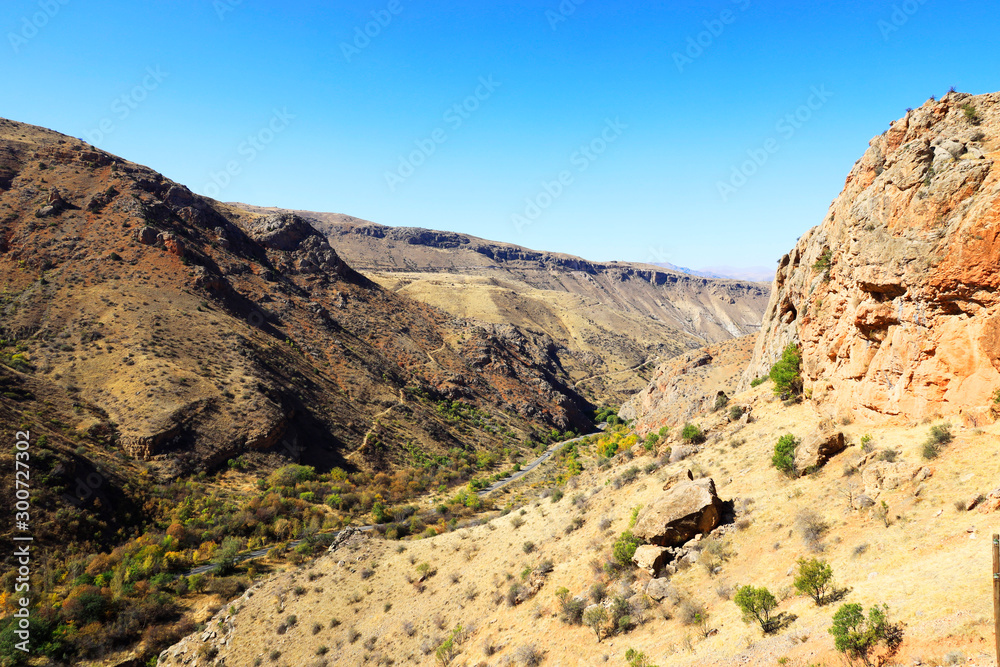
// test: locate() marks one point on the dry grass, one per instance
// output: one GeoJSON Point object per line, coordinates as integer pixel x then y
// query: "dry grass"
{"type": "Point", "coordinates": [925, 565]}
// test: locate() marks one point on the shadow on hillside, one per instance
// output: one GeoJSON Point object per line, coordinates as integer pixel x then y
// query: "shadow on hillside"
{"type": "Point", "coordinates": [779, 623]}
{"type": "Point", "coordinates": [836, 595]}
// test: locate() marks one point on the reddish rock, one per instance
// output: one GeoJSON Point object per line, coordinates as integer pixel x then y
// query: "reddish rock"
{"type": "Point", "coordinates": [895, 297]}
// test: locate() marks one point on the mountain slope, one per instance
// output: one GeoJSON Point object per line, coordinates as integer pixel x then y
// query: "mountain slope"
{"type": "Point", "coordinates": [611, 322]}
{"type": "Point", "coordinates": [206, 332]}
{"type": "Point", "coordinates": [893, 298]}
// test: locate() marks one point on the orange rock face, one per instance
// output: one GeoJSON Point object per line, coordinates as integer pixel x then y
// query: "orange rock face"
{"type": "Point", "coordinates": [893, 298]}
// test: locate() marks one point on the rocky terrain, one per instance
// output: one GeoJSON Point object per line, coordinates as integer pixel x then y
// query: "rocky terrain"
{"type": "Point", "coordinates": [205, 332]}
{"type": "Point", "coordinates": [610, 323]}
{"type": "Point", "coordinates": [689, 384]}
{"type": "Point", "coordinates": [491, 592]}
{"type": "Point", "coordinates": [893, 297]}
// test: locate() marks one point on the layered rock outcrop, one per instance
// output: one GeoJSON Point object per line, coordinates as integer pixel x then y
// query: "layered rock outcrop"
{"type": "Point", "coordinates": [894, 297]}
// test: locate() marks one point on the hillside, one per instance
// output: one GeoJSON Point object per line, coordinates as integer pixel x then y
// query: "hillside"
{"type": "Point", "coordinates": [893, 297]}
{"type": "Point", "coordinates": [645, 543]}
{"type": "Point", "coordinates": [374, 601]}
{"type": "Point", "coordinates": [175, 359]}
{"type": "Point", "coordinates": [610, 323]}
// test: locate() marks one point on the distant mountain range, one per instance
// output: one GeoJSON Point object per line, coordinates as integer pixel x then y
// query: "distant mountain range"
{"type": "Point", "coordinates": [758, 274]}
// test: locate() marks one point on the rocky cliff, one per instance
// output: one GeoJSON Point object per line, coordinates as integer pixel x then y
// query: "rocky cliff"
{"type": "Point", "coordinates": [893, 297]}
{"type": "Point", "coordinates": [610, 323]}
{"type": "Point", "coordinates": [206, 332]}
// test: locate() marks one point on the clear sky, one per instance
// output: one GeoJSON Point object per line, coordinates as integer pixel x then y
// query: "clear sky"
{"type": "Point", "coordinates": [602, 129]}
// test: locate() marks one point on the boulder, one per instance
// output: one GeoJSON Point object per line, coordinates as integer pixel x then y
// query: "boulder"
{"type": "Point", "coordinates": [679, 514]}
{"type": "Point", "coordinates": [676, 478]}
{"type": "Point", "coordinates": [651, 558]}
{"type": "Point", "coordinates": [818, 447]}
{"type": "Point", "coordinates": [146, 235]}
{"type": "Point", "coordinates": [880, 475]}
{"type": "Point", "coordinates": [658, 589]}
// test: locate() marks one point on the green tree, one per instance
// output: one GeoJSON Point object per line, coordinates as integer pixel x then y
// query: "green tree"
{"type": "Point", "coordinates": [637, 659]}
{"type": "Point", "coordinates": [692, 433]}
{"type": "Point", "coordinates": [624, 548]}
{"type": "Point", "coordinates": [858, 637]}
{"type": "Point", "coordinates": [785, 372]}
{"type": "Point", "coordinates": [226, 555]}
{"type": "Point", "coordinates": [784, 454]}
{"type": "Point", "coordinates": [814, 578]}
{"type": "Point", "coordinates": [594, 618]}
{"type": "Point", "coordinates": [756, 605]}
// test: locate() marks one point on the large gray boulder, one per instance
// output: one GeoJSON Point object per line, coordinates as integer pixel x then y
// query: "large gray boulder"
{"type": "Point", "coordinates": [679, 514]}
{"type": "Point", "coordinates": [818, 447]}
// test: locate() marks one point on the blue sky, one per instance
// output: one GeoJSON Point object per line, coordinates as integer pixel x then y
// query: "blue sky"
{"type": "Point", "coordinates": [599, 129]}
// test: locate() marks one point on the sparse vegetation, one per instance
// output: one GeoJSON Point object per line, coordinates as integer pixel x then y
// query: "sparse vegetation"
{"type": "Point", "coordinates": [814, 579]}
{"type": "Point", "coordinates": [939, 436]}
{"type": "Point", "coordinates": [624, 548]}
{"type": "Point", "coordinates": [785, 373]}
{"type": "Point", "coordinates": [784, 454]}
{"type": "Point", "coordinates": [692, 433]}
{"type": "Point", "coordinates": [859, 637]}
{"type": "Point", "coordinates": [756, 605]}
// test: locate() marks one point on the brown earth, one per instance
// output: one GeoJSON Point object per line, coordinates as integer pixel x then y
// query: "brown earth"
{"type": "Point", "coordinates": [609, 323]}
{"type": "Point", "coordinates": [204, 331]}
{"type": "Point", "coordinates": [689, 384]}
{"type": "Point", "coordinates": [930, 565]}
{"type": "Point", "coordinates": [904, 321]}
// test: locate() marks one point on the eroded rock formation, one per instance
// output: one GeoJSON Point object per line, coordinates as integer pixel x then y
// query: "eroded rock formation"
{"type": "Point", "coordinates": [893, 298]}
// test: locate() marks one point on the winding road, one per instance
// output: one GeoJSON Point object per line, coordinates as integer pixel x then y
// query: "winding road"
{"type": "Point", "coordinates": [496, 486]}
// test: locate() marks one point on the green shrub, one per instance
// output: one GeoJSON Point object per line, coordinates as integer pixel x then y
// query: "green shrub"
{"type": "Point", "coordinates": [858, 637]}
{"type": "Point", "coordinates": [735, 412]}
{"type": "Point", "coordinates": [814, 578]}
{"type": "Point", "coordinates": [692, 433]}
{"type": "Point", "coordinates": [785, 373]}
{"type": "Point", "coordinates": [624, 548]}
{"type": "Point", "coordinates": [595, 618]}
{"type": "Point", "coordinates": [721, 401]}
{"type": "Point", "coordinates": [651, 439]}
{"type": "Point", "coordinates": [971, 114]}
{"type": "Point", "coordinates": [784, 454]}
{"type": "Point", "coordinates": [940, 435]}
{"type": "Point", "coordinates": [824, 262]}
{"type": "Point", "coordinates": [756, 605]}
{"type": "Point", "coordinates": [756, 382]}
{"type": "Point", "coordinates": [637, 659]}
